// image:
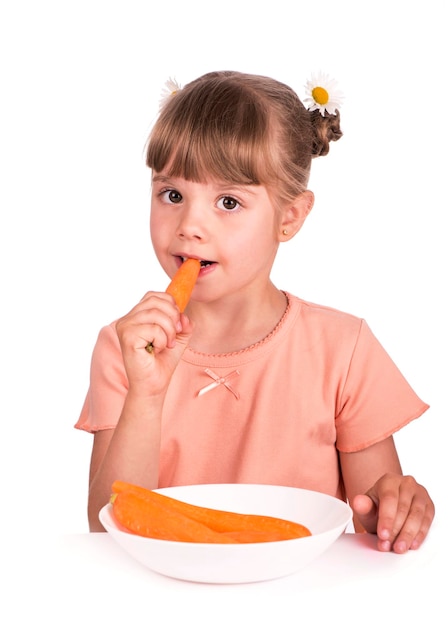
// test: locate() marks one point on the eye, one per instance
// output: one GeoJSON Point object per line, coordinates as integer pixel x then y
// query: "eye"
{"type": "Point", "coordinates": [171, 196]}
{"type": "Point", "coordinates": [228, 203]}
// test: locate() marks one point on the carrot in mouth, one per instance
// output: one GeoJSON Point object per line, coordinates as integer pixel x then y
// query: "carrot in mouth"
{"type": "Point", "coordinates": [181, 286]}
{"type": "Point", "coordinates": [183, 282]}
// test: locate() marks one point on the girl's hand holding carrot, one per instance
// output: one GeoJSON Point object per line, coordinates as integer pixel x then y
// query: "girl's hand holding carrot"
{"type": "Point", "coordinates": [155, 333]}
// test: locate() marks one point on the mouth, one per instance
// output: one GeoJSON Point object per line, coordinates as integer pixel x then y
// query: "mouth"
{"type": "Point", "coordinates": [203, 262]}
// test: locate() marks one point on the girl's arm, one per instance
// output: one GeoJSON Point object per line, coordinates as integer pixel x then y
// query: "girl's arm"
{"type": "Point", "coordinates": [131, 451]}
{"type": "Point", "coordinates": [384, 501]}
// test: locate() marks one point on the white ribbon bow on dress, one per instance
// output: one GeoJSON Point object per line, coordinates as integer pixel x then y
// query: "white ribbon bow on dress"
{"type": "Point", "coordinates": [219, 380]}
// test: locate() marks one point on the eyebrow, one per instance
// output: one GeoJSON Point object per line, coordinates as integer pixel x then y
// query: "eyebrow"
{"type": "Point", "coordinates": [160, 178]}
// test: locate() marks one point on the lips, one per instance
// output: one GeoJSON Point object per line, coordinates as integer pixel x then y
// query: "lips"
{"type": "Point", "coordinates": [203, 262]}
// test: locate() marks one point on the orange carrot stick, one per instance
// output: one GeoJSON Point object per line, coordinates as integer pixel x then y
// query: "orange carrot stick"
{"type": "Point", "coordinates": [217, 520]}
{"type": "Point", "coordinates": [183, 282]}
{"type": "Point", "coordinates": [147, 518]}
{"type": "Point", "coordinates": [181, 286]}
{"type": "Point", "coordinates": [254, 536]}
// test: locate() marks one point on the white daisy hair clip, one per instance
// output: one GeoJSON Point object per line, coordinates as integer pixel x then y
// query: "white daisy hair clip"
{"type": "Point", "coordinates": [169, 90]}
{"type": "Point", "coordinates": [323, 95]}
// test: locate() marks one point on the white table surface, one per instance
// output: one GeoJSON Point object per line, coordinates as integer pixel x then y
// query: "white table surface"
{"type": "Point", "coordinates": [88, 579]}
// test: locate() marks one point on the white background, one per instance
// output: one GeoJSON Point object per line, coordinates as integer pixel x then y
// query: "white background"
{"type": "Point", "coordinates": [80, 84]}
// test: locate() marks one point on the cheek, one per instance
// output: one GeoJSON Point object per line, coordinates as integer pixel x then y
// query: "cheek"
{"type": "Point", "coordinates": [158, 227]}
{"type": "Point", "coordinates": [154, 219]}
{"type": "Point", "coordinates": [254, 249]}
{"type": "Point", "coordinates": [153, 229]}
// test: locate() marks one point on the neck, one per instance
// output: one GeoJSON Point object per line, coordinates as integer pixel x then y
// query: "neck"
{"type": "Point", "coordinates": [236, 323]}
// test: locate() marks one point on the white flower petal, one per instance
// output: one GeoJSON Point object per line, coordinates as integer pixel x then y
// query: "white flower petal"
{"type": "Point", "coordinates": [320, 79]}
{"type": "Point", "coordinates": [170, 88]}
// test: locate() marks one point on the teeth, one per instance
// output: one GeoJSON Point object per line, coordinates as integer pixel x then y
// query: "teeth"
{"type": "Point", "coordinates": [203, 262]}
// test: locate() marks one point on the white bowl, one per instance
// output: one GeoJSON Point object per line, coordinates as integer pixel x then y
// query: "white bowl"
{"type": "Point", "coordinates": [325, 516]}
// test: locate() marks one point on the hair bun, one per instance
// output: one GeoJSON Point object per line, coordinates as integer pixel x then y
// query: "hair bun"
{"type": "Point", "coordinates": [326, 128]}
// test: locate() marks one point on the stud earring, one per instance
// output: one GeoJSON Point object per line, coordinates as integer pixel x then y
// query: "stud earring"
{"type": "Point", "coordinates": [285, 231]}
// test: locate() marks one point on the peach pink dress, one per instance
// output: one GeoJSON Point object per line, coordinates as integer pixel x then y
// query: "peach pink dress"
{"type": "Point", "coordinates": [276, 412]}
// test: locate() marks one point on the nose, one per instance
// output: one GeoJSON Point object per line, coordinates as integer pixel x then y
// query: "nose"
{"type": "Point", "coordinates": [191, 223]}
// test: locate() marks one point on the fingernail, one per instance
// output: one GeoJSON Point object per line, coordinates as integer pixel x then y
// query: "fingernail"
{"type": "Point", "coordinates": [384, 534]}
{"type": "Point", "coordinates": [179, 327]}
{"type": "Point", "coordinates": [384, 546]}
{"type": "Point", "coordinates": [400, 547]}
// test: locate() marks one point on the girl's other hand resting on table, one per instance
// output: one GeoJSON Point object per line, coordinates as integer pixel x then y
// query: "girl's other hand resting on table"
{"type": "Point", "coordinates": [398, 510]}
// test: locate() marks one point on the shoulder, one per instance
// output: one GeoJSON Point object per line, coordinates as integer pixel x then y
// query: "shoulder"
{"type": "Point", "coordinates": [322, 316]}
{"type": "Point", "coordinates": [324, 330]}
{"type": "Point", "coordinates": [107, 337]}
{"type": "Point", "coordinates": [107, 352]}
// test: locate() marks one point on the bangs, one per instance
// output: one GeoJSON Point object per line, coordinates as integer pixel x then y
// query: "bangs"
{"type": "Point", "coordinates": [219, 131]}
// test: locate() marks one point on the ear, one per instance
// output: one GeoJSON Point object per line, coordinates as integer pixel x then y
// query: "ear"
{"type": "Point", "coordinates": [294, 216]}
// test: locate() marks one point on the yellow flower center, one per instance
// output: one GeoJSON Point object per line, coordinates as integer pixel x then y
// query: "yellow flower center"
{"type": "Point", "coordinates": [320, 95]}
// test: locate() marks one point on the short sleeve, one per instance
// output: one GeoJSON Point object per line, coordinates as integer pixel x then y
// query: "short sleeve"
{"type": "Point", "coordinates": [108, 384]}
{"type": "Point", "coordinates": [376, 400]}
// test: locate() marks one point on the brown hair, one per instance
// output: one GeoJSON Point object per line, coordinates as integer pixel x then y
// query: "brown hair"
{"type": "Point", "coordinates": [242, 128]}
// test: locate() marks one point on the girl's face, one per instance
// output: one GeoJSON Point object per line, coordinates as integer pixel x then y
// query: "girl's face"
{"type": "Point", "coordinates": [232, 229]}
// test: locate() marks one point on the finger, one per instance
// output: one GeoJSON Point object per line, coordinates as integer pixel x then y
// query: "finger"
{"type": "Point", "coordinates": [149, 326]}
{"type": "Point", "coordinates": [424, 529]}
{"type": "Point", "coordinates": [157, 295]}
{"type": "Point", "coordinates": [150, 302]}
{"type": "Point", "coordinates": [398, 531]}
{"type": "Point", "coordinates": [391, 516]}
{"type": "Point", "coordinates": [366, 512]}
{"type": "Point", "coordinates": [151, 299]}
{"type": "Point", "coordinates": [159, 340]}
{"type": "Point", "coordinates": [416, 525]}
{"type": "Point", "coordinates": [184, 329]}
{"type": "Point", "coordinates": [363, 505]}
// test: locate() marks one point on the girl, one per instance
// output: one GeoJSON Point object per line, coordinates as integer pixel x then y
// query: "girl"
{"type": "Point", "coordinates": [252, 384]}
